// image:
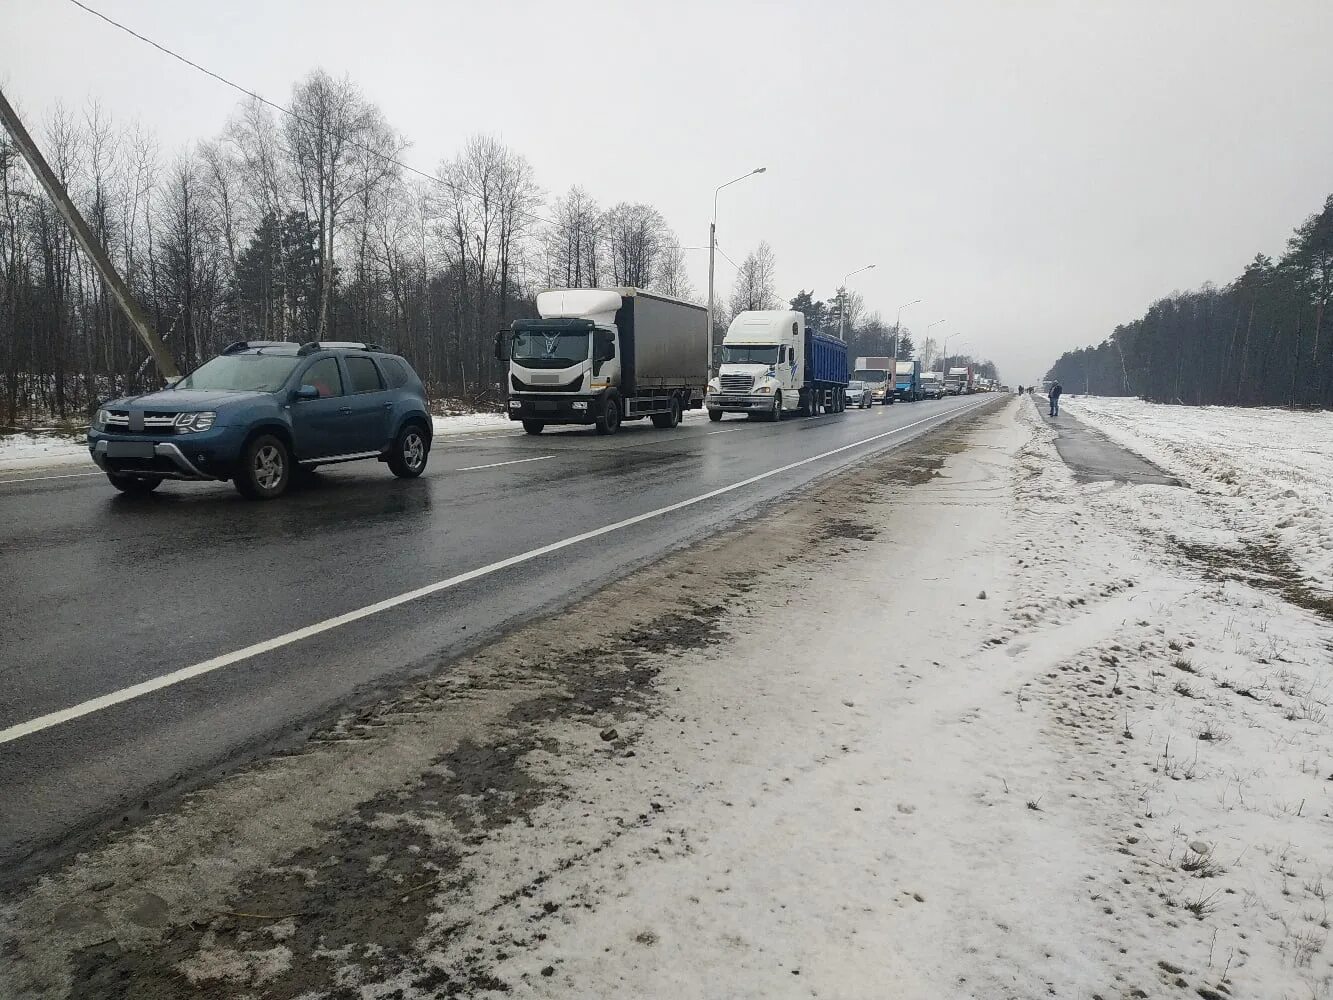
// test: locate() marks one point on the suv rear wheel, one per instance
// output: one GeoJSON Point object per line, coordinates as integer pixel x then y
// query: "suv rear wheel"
{"type": "Point", "coordinates": [265, 468]}
{"type": "Point", "coordinates": [407, 460]}
{"type": "Point", "coordinates": [135, 485]}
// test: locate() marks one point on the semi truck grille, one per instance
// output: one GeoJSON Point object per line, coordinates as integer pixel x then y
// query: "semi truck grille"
{"type": "Point", "coordinates": [736, 383]}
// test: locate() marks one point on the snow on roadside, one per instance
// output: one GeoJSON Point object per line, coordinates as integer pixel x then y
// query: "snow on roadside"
{"type": "Point", "coordinates": [19, 452]}
{"type": "Point", "coordinates": [1266, 472]}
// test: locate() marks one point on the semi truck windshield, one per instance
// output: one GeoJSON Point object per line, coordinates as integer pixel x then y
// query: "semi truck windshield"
{"type": "Point", "coordinates": [548, 348]}
{"type": "Point", "coordinates": [750, 354]}
{"type": "Point", "coordinates": [871, 376]}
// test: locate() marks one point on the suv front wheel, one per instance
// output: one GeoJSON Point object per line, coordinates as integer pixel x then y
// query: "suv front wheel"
{"type": "Point", "coordinates": [265, 468]}
{"type": "Point", "coordinates": [407, 460]}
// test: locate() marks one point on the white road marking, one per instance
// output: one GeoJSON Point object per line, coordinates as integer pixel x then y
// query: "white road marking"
{"type": "Point", "coordinates": [38, 479]}
{"type": "Point", "coordinates": [52, 719]}
{"type": "Point", "coordinates": [732, 431]}
{"type": "Point", "coordinates": [496, 465]}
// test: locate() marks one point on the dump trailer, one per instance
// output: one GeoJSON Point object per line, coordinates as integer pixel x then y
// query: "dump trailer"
{"type": "Point", "coordinates": [602, 355]}
{"type": "Point", "coordinates": [907, 384]}
{"type": "Point", "coordinates": [772, 365]}
{"type": "Point", "coordinates": [877, 373]}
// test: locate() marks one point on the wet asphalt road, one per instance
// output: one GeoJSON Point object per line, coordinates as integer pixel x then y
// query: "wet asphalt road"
{"type": "Point", "coordinates": [99, 592]}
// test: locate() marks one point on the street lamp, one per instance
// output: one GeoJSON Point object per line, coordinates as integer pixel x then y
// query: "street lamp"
{"type": "Point", "coordinates": [944, 351]}
{"type": "Point", "coordinates": [712, 245]}
{"type": "Point", "coordinates": [842, 313]}
{"type": "Point", "coordinates": [897, 325]}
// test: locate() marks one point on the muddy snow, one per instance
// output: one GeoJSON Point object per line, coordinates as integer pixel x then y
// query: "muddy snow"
{"type": "Point", "coordinates": [948, 725]}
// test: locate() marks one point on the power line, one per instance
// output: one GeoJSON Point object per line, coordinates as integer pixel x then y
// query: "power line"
{"type": "Point", "coordinates": [310, 124]}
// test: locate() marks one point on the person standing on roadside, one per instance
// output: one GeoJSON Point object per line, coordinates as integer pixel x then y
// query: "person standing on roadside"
{"type": "Point", "coordinates": [1056, 389]}
{"type": "Point", "coordinates": [1020, 390]}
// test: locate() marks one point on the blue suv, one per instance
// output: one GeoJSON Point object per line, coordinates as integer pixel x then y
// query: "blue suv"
{"type": "Point", "coordinates": [263, 412]}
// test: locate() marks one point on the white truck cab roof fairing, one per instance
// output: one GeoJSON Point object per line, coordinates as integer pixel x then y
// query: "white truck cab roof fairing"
{"type": "Point", "coordinates": [596, 304]}
{"type": "Point", "coordinates": [767, 326]}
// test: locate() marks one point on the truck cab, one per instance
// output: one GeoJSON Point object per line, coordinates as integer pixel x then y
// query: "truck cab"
{"type": "Point", "coordinates": [763, 365]}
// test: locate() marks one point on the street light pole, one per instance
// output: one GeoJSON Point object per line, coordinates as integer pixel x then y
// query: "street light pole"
{"type": "Point", "coordinates": [944, 352]}
{"type": "Point", "coordinates": [842, 312]}
{"type": "Point", "coordinates": [897, 325]}
{"type": "Point", "coordinates": [712, 247]}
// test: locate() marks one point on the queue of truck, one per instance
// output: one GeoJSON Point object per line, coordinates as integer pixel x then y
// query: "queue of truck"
{"type": "Point", "coordinates": [600, 356]}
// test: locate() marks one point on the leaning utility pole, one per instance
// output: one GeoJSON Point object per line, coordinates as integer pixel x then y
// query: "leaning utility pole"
{"type": "Point", "coordinates": [95, 251]}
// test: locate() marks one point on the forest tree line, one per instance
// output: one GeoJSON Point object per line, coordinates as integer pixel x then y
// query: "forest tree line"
{"type": "Point", "coordinates": [1262, 340]}
{"type": "Point", "coordinates": [307, 224]}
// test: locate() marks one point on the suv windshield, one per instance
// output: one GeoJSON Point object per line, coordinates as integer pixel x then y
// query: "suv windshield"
{"type": "Point", "coordinates": [242, 372]}
{"type": "Point", "coordinates": [549, 348]}
{"type": "Point", "coordinates": [750, 354]}
{"type": "Point", "coordinates": [870, 376]}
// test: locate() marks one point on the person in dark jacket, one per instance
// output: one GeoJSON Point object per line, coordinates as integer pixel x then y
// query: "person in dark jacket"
{"type": "Point", "coordinates": [1056, 389]}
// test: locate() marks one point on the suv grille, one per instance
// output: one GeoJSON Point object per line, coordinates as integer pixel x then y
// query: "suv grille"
{"type": "Point", "coordinates": [154, 422]}
{"type": "Point", "coordinates": [736, 383]}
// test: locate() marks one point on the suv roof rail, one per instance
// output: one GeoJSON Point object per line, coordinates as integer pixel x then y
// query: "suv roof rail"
{"type": "Point", "coordinates": [246, 345]}
{"type": "Point", "coordinates": [327, 345]}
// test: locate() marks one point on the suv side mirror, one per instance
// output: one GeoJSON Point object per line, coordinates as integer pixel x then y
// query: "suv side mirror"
{"type": "Point", "coordinates": [171, 382]}
{"type": "Point", "coordinates": [501, 346]}
{"type": "Point", "coordinates": [305, 392]}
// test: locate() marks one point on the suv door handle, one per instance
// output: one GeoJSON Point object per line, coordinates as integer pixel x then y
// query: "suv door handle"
{"type": "Point", "coordinates": [346, 411]}
{"type": "Point", "coordinates": [388, 406]}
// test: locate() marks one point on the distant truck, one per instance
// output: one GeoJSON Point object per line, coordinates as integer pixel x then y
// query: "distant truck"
{"type": "Point", "coordinates": [960, 381]}
{"type": "Point", "coordinates": [772, 364]}
{"type": "Point", "coordinates": [603, 355]}
{"type": "Point", "coordinates": [877, 374]}
{"type": "Point", "coordinates": [907, 385]}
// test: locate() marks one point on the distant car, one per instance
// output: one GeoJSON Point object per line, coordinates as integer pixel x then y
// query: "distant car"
{"type": "Point", "coordinates": [953, 388]}
{"type": "Point", "coordinates": [858, 395]}
{"type": "Point", "coordinates": [263, 412]}
{"type": "Point", "coordinates": [932, 388]}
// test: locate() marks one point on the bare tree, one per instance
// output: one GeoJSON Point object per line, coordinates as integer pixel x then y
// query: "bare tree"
{"type": "Point", "coordinates": [755, 286]}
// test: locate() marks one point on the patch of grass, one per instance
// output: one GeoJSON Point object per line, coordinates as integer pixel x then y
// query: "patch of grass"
{"type": "Point", "coordinates": [1174, 646]}
{"type": "Point", "coordinates": [1211, 734]}
{"type": "Point", "coordinates": [1035, 804]}
{"type": "Point", "coordinates": [1183, 689]}
{"type": "Point", "coordinates": [1180, 663]}
{"type": "Point", "coordinates": [1201, 865]}
{"type": "Point", "coordinates": [1203, 906]}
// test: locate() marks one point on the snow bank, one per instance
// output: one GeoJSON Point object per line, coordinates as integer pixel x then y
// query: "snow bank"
{"type": "Point", "coordinates": [1266, 472]}
{"type": "Point", "coordinates": [19, 452]}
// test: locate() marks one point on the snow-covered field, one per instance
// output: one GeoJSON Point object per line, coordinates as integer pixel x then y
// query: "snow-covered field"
{"type": "Point", "coordinates": [1267, 474]}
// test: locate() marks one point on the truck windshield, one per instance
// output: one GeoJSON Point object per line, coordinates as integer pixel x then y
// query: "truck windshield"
{"type": "Point", "coordinates": [870, 376]}
{"type": "Point", "coordinates": [549, 348]}
{"type": "Point", "coordinates": [242, 372]}
{"type": "Point", "coordinates": [750, 354]}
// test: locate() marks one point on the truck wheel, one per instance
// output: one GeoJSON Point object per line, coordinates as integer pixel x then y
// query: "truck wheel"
{"type": "Point", "coordinates": [671, 418]}
{"type": "Point", "coordinates": [715, 415]}
{"type": "Point", "coordinates": [135, 485]}
{"type": "Point", "coordinates": [534, 426]}
{"type": "Point", "coordinates": [609, 421]}
{"type": "Point", "coordinates": [264, 470]}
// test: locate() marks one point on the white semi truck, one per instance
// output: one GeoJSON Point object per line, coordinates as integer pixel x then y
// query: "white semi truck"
{"type": "Point", "coordinates": [602, 355]}
{"type": "Point", "coordinates": [771, 365]}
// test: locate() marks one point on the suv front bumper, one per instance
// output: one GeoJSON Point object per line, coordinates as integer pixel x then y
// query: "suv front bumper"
{"type": "Point", "coordinates": [206, 455]}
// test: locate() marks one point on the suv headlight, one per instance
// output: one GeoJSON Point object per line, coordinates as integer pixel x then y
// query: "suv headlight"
{"type": "Point", "coordinates": [100, 420]}
{"type": "Point", "coordinates": [187, 422]}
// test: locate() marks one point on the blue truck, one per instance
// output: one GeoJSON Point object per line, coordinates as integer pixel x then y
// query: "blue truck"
{"type": "Point", "coordinates": [773, 364]}
{"type": "Point", "coordinates": [907, 382]}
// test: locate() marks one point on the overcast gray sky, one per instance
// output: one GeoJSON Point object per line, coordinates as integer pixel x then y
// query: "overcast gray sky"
{"type": "Point", "coordinates": [1034, 171]}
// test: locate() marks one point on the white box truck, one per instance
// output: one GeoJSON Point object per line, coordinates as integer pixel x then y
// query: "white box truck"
{"type": "Point", "coordinates": [602, 355]}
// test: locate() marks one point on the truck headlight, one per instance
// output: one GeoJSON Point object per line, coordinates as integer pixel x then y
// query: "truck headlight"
{"type": "Point", "coordinates": [764, 390]}
{"type": "Point", "coordinates": [714, 386]}
{"type": "Point", "coordinates": [579, 404]}
{"type": "Point", "coordinates": [188, 422]}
